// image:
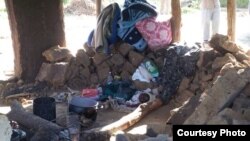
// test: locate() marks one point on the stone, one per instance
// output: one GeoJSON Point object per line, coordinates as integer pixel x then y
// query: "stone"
{"type": "Point", "coordinates": [219, 62]}
{"type": "Point", "coordinates": [230, 47]}
{"type": "Point", "coordinates": [57, 54]}
{"type": "Point", "coordinates": [217, 97]}
{"type": "Point", "coordinates": [117, 59]}
{"type": "Point", "coordinates": [217, 120]}
{"type": "Point", "coordinates": [226, 68]}
{"type": "Point", "coordinates": [183, 96]}
{"type": "Point", "coordinates": [103, 74]}
{"type": "Point", "coordinates": [241, 102]}
{"type": "Point", "coordinates": [1, 89]}
{"type": "Point", "coordinates": [206, 56]}
{"type": "Point", "coordinates": [53, 73]}
{"type": "Point", "coordinates": [126, 76]}
{"type": "Point", "coordinates": [142, 85]}
{"type": "Point", "coordinates": [89, 50]}
{"type": "Point", "coordinates": [20, 82]}
{"type": "Point", "coordinates": [246, 90]}
{"type": "Point", "coordinates": [85, 72]}
{"type": "Point", "coordinates": [184, 84]}
{"type": "Point", "coordinates": [73, 69]}
{"type": "Point", "coordinates": [103, 65]}
{"type": "Point", "coordinates": [206, 77]}
{"type": "Point", "coordinates": [230, 114]}
{"type": "Point", "coordinates": [241, 56]}
{"type": "Point", "coordinates": [5, 128]}
{"type": "Point", "coordinates": [217, 42]}
{"type": "Point", "coordinates": [135, 58]}
{"type": "Point", "coordinates": [82, 58]}
{"type": "Point", "coordinates": [99, 58]}
{"type": "Point", "coordinates": [194, 87]}
{"type": "Point", "coordinates": [246, 114]}
{"type": "Point", "coordinates": [128, 67]}
{"type": "Point", "coordinates": [124, 49]}
{"type": "Point", "coordinates": [94, 78]}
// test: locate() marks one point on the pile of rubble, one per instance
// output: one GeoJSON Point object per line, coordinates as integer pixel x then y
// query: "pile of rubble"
{"type": "Point", "coordinates": [89, 69]}
{"type": "Point", "coordinates": [219, 92]}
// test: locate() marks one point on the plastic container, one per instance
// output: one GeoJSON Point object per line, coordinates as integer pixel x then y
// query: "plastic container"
{"type": "Point", "coordinates": [45, 107]}
{"type": "Point", "coordinates": [151, 67]}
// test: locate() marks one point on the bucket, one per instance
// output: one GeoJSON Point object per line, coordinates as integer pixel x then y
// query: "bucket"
{"type": "Point", "coordinates": [45, 107]}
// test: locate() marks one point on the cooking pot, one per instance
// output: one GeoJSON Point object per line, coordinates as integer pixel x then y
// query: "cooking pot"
{"type": "Point", "coordinates": [83, 106]}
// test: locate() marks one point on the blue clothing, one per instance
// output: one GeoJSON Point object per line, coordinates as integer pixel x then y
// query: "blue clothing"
{"type": "Point", "coordinates": [134, 11]}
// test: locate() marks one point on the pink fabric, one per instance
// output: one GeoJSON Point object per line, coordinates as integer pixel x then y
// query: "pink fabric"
{"type": "Point", "coordinates": [157, 34]}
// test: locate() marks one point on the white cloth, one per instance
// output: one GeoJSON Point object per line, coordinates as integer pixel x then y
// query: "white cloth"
{"type": "Point", "coordinates": [210, 15]}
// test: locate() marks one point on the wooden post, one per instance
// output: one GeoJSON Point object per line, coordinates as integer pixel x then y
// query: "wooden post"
{"type": "Point", "coordinates": [35, 27]}
{"type": "Point", "coordinates": [98, 7]}
{"type": "Point", "coordinates": [231, 18]}
{"type": "Point", "coordinates": [176, 20]}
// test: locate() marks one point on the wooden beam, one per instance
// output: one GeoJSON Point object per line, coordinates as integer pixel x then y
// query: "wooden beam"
{"type": "Point", "coordinates": [176, 20]}
{"type": "Point", "coordinates": [231, 19]}
{"type": "Point", "coordinates": [98, 7]}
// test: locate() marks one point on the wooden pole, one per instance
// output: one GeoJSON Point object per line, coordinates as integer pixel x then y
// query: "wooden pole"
{"type": "Point", "coordinates": [231, 18]}
{"type": "Point", "coordinates": [98, 7]}
{"type": "Point", "coordinates": [176, 20]}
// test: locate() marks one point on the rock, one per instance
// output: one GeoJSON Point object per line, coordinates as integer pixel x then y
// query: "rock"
{"type": "Point", "coordinates": [73, 69]}
{"type": "Point", "coordinates": [241, 102]}
{"type": "Point", "coordinates": [151, 56]}
{"type": "Point", "coordinates": [206, 56]}
{"type": "Point", "coordinates": [82, 58]}
{"type": "Point", "coordinates": [57, 54]}
{"type": "Point", "coordinates": [226, 68]}
{"type": "Point", "coordinates": [125, 76]}
{"type": "Point", "coordinates": [206, 77]}
{"type": "Point", "coordinates": [103, 65]}
{"type": "Point", "coordinates": [246, 90]}
{"type": "Point", "coordinates": [141, 85]}
{"type": "Point", "coordinates": [5, 128]}
{"type": "Point", "coordinates": [194, 87]}
{"type": "Point", "coordinates": [217, 42]}
{"type": "Point", "coordinates": [241, 56]}
{"type": "Point", "coordinates": [89, 50]}
{"type": "Point", "coordinates": [184, 84]}
{"type": "Point", "coordinates": [94, 79]}
{"type": "Point", "coordinates": [124, 49]}
{"type": "Point", "coordinates": [183, 96]}
{"type": "Point", "coordinates": [117, 59]}
{"type": "Point", "coordinates": [103, 74]}
{"type": "Point", "coordinates": [1, 89]}
{"type": "Point", "coordinates": [217, 120]}
{"type": "Point", "coordinates": [85, 73]}
{"type": "Point", "coordinates": [135, 58]}
{"type": "Point", "coordinates": [53, 73]}
{"type": "Point", "coordinates": [246, 114]}
{"type": "Point", "coordinates": [219, 62]}
{"type": "Point", "coordinates": [219, 96]}
{"type": "Point", "coordinates": [128, 67]}
{"type": "Point", "coordinates": [230, 47]}
{"type": "Point", "coordinates": [99, 58]}
{"type": "Point", "coordinates": [20, 82]}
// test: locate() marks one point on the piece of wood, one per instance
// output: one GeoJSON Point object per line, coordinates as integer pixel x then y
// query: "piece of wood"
{"type": "Point", "coordinates": [231, 19]}
{"type": "Point", "coordinates": [132, 118]}
{"type": "Point", "coordinates": [44, 129]}
{"type": "Point", "coordinates": [18, 95]}
{"type": "Point", "coordinates": [176, 20]}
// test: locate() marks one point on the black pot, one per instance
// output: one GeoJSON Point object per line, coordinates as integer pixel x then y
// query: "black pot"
{"type": "Point", "coordinates": [83, 106]}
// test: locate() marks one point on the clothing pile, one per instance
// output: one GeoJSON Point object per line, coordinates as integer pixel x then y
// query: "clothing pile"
{"type": "Point", "coordinates": [136, 24]}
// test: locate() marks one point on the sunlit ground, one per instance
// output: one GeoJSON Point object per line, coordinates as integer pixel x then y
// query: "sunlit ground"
{"type": "Point", "coordinates": [77, 29]}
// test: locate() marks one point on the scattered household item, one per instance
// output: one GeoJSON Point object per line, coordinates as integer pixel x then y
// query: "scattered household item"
{"type": "Point", "coordinates": [83, 106]}
{"type": "Point", "coordinates": [45, 107]}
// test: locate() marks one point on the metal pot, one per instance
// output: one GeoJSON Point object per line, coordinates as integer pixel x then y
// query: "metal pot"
{"type": "Point", "coordinates": [83, 106]}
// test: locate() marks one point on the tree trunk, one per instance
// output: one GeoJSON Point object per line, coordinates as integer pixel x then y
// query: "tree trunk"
{"type": "Point", "coordinates": [176, 20]}
{"type": "Point", "coordinates": [231, 17]}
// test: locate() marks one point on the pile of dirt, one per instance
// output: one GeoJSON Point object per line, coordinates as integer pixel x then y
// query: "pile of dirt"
{"type": "Point", "coordinates": [81, 7]}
